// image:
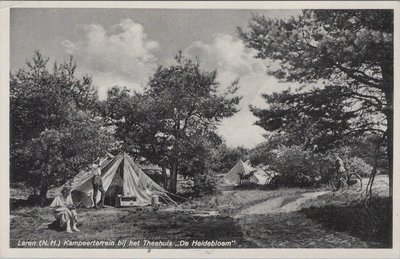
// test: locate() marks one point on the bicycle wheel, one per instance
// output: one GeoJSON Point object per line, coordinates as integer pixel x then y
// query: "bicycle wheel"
{"type": "Point", "coordinates": [355, 181]}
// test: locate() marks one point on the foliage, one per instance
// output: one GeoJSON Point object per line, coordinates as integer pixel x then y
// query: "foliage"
{"type": "Point", "coordinates": [319, 119]}
{"type": "Point", "coordinates": [174, 121]}
{"type": "Point", "coordinates": [225, 157]}
{"type": "Point", "coordinates": [204, 184]}
{"type": "Point", "coordinates": [296, 167]}
{"type": "Point", "coordinates": [263, 153]}
{"type": "Point", "coordinates": [219, 161]}
{"type": "Point", "coordinates": [314, 168]}
{"type": "Point", "coordinates": [365, 148]}
{"type": "Point", "coordinates": [344, 58]}
{"type": "Point", "coordinates": [359, 166]}
{"type": "Point", "coordinates": [55, 132]}
{"type": "Point", "coordinates": [325, 43]}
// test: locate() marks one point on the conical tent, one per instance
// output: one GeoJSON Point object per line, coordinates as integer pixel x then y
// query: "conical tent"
{"type": "Point", "coordinates": [120, 175]}
{"type": "Point", "coordinates": [242, 169]}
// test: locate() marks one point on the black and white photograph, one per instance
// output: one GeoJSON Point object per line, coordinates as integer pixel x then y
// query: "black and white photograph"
{"type": "Point", "coordinates": [147, 128]}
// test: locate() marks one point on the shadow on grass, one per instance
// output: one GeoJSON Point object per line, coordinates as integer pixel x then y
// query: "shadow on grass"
{"type": "Point", "coordinates": [116, 224]}
{"type": "Point", "coordinates": [369, 222]}
{"type": "Point", "coordinates": [32, 201]}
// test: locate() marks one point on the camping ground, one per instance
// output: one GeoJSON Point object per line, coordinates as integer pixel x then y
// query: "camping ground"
{"type": "Point", "coordinates": [283, 218]}
{"type": "Point", "coordinates": [255, 128]}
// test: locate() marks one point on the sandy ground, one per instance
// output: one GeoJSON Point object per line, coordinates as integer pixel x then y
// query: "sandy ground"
{"type": "Point", "coordinates": [277, 223]}
{"type": "Point", "coordinates": [275, 205]}
{"type": "Point", "coordinates": [290, 202]}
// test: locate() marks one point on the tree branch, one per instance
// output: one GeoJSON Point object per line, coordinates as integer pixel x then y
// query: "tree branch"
{"type": "Point", "coordinates": [352, 74]}
{"type": "Point", "coordinates": [363, 96]}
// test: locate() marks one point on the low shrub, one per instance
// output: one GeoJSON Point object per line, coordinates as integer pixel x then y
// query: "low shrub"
{"type": "Point", "coordinates": [359, 166]}
{"type": "Point", "coordinates": [204, 184]}
{"type": "Point", "coordinates": [296, 167]}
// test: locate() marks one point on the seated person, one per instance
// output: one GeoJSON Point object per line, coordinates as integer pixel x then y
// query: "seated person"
{"type": "Point", "coordinates": [64, 211]}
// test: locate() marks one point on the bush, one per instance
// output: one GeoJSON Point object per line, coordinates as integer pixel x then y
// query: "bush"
{"type": "Point", "coordinates": [359, 166]}
{"type": "Point", "coordinates": [204, 184]}
{"type": "Point", "coordinates": [296, 167]}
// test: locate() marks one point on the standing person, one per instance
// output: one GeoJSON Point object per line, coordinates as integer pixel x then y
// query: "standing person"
{"type": "Point", "coordinates": [64, 211]}
{"type": "Point", "coordinates": [97, 184]}
{"type": "Point", "coordinates": [340, 171]}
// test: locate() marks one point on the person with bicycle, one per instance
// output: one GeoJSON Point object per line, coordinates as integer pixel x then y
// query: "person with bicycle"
{"type": "Point", "coordinates": [340, 172]}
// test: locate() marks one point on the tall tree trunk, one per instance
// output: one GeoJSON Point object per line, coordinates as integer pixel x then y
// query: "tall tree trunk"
{"type": "Point", "coordinates": [173, 176]}
{"type": "Point", "coordinates": [389, 133]}
{"type": "Point", "coordinates": [387, 75]}
{"type": "Point", "coordinates": [174, 164]}
{"type": "Point", "coordinates": [164, 172]}
{"type": "Point", "coordinates": [44, 187]}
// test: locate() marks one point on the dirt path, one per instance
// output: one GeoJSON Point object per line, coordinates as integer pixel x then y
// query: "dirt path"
{"type": "Point", "coordinates": [278, 205]}
{"type": "Point", "coordinates": [291, 202]}
{"type": "Point", "coordinates": [276, 223]}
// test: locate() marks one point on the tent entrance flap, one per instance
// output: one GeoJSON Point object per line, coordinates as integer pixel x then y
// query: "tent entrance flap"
{"type": "Point", "coordinates": [115, 188]}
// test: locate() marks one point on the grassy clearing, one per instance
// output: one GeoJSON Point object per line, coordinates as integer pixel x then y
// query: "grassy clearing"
{"type": "Point", "coordinates": [295, 230]}
{"type": "Point", "coordinates": [118, 224]}
{"type": "Point", "coordinates": [331, 220]}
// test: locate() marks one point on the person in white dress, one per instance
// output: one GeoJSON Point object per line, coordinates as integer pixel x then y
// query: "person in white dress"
{"type": "Point", "coordinates": [64, 211]}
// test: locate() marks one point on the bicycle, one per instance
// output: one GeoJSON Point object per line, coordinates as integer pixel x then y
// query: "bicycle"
{"type": "Point", "coordinates": [338, 182]}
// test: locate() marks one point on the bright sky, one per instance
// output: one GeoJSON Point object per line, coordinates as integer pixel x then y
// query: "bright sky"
{"type": "Point", "coordinates": [123, 46]}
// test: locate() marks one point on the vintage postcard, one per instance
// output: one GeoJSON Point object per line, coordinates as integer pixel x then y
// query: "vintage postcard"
{"type": "Point", "coordinates": [199, 129]}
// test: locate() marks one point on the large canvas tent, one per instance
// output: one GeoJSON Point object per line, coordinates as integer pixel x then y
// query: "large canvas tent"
{"type": "Point", "coordinates": [242, 171]}
{"type": "Point", "coordinates": [120, 175]}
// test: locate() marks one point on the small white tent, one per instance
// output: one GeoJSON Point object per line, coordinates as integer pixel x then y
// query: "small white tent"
{"type": "Point", "coordinates": [241, 170]}
{"type": "Point", "coordinates": [120, 175]}
{"type": "Point", "coordinates": [261, 177]}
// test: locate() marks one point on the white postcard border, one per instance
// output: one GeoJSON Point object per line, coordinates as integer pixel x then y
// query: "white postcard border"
{"type": "Point", "coordinates": [6, 252]}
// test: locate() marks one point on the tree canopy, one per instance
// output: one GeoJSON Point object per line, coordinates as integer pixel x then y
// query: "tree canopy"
{"type": "Point", "coordinates": [343, 59]}
{"type": "Point", "coordinates": [55, 131]}
{"type": "Point", "coordinates": [174, 121]}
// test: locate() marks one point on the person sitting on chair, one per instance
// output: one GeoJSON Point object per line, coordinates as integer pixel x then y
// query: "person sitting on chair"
{"type": "Point", "coordinates": [64, 211]}
{"type": "Point", "coordinates": [97, 184]}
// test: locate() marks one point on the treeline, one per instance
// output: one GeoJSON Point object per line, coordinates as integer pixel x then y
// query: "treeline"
{"type": "Point", "coordinates": [343, 60]}
{"type": "Point", "coordinates": [295, 166]}
{"type": "Point", "coordinates": [56, 130]}
{"type": "Point", "coordinates": [59, 126]}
